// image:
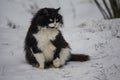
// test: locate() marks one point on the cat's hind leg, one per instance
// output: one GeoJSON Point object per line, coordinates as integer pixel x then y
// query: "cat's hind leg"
{"type": "Point", "coordinates": [56, 60]}
{"type": "Point", "coordinates": [64, 55]}
{"type": "Point", "coordinates": [61, 57]}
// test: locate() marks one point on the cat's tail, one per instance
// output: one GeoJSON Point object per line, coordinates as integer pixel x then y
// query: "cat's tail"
{"type": "Point", "coordinates": [79, 57]}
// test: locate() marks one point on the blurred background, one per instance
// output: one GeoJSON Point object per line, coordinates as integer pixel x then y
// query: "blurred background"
{"type": "Point", "coordinates": [74, 12]}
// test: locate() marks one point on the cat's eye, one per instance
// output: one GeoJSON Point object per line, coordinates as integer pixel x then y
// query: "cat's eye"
{"type": "Point", "coordinates": [51, 20]}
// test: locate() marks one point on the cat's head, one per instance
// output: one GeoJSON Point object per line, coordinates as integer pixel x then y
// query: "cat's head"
{"type": "Point", "coordinates": [48, 17]}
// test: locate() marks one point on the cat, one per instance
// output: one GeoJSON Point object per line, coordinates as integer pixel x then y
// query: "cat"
{"type": "Point", "coordinates": [45, 45]}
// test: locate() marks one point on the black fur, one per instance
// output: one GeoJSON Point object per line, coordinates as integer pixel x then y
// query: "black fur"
{"type": "Point", "coordinates": [41, 20]}
{"type": "Point", "coordinates": [59, 43]}
{"type": "Point", "coordinates": [43, 15]}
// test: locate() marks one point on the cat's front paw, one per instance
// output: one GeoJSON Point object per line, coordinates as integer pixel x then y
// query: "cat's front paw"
{"type": "Point", "coordinates": [56, 63]}
{"type": "Point", "coordinates": [41, 66]}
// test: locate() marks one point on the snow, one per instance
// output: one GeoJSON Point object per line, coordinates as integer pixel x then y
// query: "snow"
{"type": "Point", "coordinates": [85, 30]}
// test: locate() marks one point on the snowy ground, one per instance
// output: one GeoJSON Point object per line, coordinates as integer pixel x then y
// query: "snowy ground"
{"type": "Point", "coordinates": [96, 37]}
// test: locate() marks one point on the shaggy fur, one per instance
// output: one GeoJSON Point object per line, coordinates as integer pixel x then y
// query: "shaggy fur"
{"type": "Point", "coordinates": [45, 44]}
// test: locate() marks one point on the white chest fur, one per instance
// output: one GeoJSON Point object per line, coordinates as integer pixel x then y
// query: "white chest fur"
{"type": "Point", "coordinates": [43, 38]}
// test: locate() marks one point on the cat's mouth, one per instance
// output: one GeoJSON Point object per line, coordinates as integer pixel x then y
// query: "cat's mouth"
{"type": "Point", "coordinates": [52, 27]}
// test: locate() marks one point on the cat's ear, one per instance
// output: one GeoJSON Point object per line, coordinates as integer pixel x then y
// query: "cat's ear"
{"type": "Point", "coordinates": [45, 11]}
{"type": "Point", "coordinates": [58, 9]}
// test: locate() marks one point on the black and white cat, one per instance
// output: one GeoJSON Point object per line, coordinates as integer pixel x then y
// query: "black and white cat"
{"type": "Point", "coordinates": [45, 44]}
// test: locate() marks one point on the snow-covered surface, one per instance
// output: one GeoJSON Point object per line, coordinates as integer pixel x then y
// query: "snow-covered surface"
{"type": "Point", "coordinates": [84, 29]}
